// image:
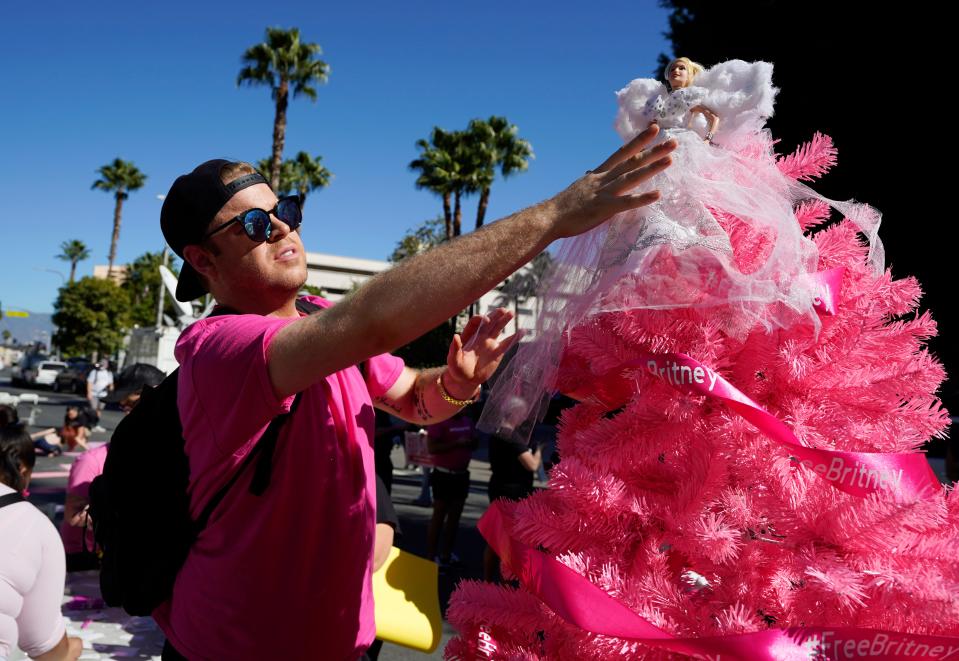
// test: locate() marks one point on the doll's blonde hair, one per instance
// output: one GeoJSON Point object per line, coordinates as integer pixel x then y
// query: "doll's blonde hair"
{"type": "Point", "coordinates": [693, 69]}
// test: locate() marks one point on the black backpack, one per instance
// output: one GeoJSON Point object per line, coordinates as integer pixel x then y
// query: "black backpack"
{"type": "Point", "coordinates": [139, 505]}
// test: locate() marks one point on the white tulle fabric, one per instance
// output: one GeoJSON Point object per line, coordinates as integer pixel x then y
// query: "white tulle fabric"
{"type": "Point", "coordinates": [674, 254]}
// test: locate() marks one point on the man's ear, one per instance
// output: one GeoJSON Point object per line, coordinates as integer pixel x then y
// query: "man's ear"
{"type": "Point", "coordinates": [201, 260]}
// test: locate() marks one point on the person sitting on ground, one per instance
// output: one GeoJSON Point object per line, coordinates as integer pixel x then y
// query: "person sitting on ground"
{"type": "Point", "coordinates": [45, 442]}
{"type": "Point", "coordinates": [74, 432]}
{"type": "Point", "coordinates": [32, 566]}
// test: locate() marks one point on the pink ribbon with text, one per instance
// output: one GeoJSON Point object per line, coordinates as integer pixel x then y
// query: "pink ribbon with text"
{"type": "Point", "coordinates": [857, 473]}
{"type": "Point", "coordinates": [580, 603]}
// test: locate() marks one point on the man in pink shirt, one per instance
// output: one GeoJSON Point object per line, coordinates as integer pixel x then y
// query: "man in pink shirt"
{"type": "Point", "coordinates": [286, 574]}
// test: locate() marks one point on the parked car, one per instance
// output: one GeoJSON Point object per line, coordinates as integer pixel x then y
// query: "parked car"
{"type": "Point", "coordinates": [25, 372]}
{"type": "Point", "coordinates": [47, 372]}
{"type": "Point", "coordinates": [74, 377]}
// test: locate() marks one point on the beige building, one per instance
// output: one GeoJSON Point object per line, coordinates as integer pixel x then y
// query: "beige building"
{"type": "Point", "coordinates": [337, 276]}
{"type": "Point", "coordinates": [119, 274]}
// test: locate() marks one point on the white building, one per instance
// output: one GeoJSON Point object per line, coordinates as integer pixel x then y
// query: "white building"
{"type": "Point", "coordinates": [337, 276]}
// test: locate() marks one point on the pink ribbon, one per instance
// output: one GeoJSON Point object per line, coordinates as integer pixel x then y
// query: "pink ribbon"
{"type": "Point", "coordinates": [858, 473]}
{"type": "Point", "coordinates": [580, 603]}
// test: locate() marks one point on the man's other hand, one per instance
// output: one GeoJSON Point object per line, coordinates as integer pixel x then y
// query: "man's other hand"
{"type": "Point", "coordinates": [474, 356]}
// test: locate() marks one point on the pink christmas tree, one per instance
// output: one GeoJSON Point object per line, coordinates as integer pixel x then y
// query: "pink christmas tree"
{"type": "Point", "coordinates": [690, 516]}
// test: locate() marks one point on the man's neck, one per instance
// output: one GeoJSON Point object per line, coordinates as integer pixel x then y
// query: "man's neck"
{"type": "Point", "coordinates": [285, 307]}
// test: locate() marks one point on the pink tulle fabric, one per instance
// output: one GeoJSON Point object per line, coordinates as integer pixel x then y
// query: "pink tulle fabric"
{"type": "Point", "coordinates": [679, 508]}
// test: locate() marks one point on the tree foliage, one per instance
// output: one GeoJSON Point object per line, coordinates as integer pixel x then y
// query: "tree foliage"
{"type": "Point", "coordinates": [280, 62]}
{"type": "Point", "coordinates": [302, 175]}
{"type": "Point", "coordinates": [119, 177]}
{"type": "Point", "coordinates": [494, 143]}
{"type": "Point", "coordinates": [456, 164]}
{"type": "Point", "coordinates": [142, 286]}
{"type": "Point", "coordinates": [419, 239]}
{"type": "Point", "coordinates": [74, 251]}
{"type": "Point", "coordinates": [91, 315]}
{"type": "Point", "coordinates": [525, 283]}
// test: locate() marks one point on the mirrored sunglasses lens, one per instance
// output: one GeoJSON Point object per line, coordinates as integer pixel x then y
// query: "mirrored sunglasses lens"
{"type": "Point", "coordinates": [257, 225]}
{"type": "Point", "coordinates": [288, 210]}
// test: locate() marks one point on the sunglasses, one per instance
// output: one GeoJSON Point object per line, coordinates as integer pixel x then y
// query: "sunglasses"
{"type": "Point", "coordinates": [257, 223]}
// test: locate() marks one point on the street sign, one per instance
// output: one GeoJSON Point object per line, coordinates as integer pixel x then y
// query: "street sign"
{"type": "Point", "coordinates": [16, 313]}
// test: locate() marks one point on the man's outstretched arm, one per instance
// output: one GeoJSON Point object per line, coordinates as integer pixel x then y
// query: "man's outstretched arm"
{"type": "Point", "coordinates": [401, 304]}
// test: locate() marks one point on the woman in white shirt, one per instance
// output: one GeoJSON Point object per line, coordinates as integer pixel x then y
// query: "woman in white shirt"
{"type": "Point", "coordinates": [32, 563]}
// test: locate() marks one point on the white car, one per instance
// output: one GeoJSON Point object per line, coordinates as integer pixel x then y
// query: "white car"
{"type": "Point", "coordinates": [47, 372]}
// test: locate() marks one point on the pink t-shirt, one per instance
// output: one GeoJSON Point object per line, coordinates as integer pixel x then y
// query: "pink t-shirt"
{"type": "Point", "coordinates": [87, 466]}
{"type": "Point", "coordinates": [458, 430]}
{"type": "Point", "coordinates": [285, 575]}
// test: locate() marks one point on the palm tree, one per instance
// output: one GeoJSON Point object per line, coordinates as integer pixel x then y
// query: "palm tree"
{"type": "Point", "coordinates": [309, 175]}
{"type": "Point", "coordinates": [284, 184]}
{"type": "Point", "coordinates": [447, 168]}
{"type": "Point", "coordinates": [495, 144]}
{"type": "Point", "coordinates": [432, 166]}
{"type": "Point", "coordinates": [119, 177]}
{"type": "Point", "coordinates": [280, 62]}
{"type": "Point", "coordinates": [73, 251]}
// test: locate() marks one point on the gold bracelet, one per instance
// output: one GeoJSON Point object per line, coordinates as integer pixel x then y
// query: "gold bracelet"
{"type": "Point", "coordinates": [452, 400]}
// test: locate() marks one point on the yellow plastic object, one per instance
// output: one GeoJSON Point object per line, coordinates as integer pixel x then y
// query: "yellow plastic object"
{"type": "Point", "coordinates": [407, 602]}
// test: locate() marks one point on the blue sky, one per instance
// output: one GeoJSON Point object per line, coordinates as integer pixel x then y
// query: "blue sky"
{"type": "Point", "coordinates": [154, 83]}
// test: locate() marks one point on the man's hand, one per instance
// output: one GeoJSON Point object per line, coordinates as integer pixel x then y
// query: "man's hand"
{"type": "Point", "coordinates": [604, 192]}
{"type": "Point", "coordinates": [475, 355]}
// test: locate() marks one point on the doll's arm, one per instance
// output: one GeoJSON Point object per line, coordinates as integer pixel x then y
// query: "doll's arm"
{"type": "Point", "coordinates": [710, 116]}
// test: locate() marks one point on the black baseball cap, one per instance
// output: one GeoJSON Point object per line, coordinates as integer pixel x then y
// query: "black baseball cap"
{"type": "Point", "coordinates": [194, 199]}
{"type": "Point", "coordinates": [132, 379]}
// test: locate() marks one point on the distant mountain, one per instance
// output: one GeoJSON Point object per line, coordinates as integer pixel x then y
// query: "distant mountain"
{"type": "Point", "coordinates": [27, 330]}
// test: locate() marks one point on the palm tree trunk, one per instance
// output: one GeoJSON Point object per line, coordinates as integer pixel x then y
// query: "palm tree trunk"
{"type": "Point", "coordinates": [73, 269]}
{"type": "Point", "coordinates": [302, 194]}
{"type": "Point", "coordinates": [117, 210]}
{"type": "Point", "coordinates": [279, 132]}
{"type": "Point", "coordinates": [447, 215]}
{"type": "Point", "coordinates": [481, 209]}
{"type": "Point", "coordinates": [457, 214]}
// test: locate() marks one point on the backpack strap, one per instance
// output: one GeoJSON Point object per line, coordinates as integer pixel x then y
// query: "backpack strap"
{"type": "Point", "coordinates": [307, 307]}
{"type": "Point", "coordinates": [264, 467]}
{"type": "Point", "coordinates": [12, 498]}
{"type": "Point", "coordinates": [261, 476]}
